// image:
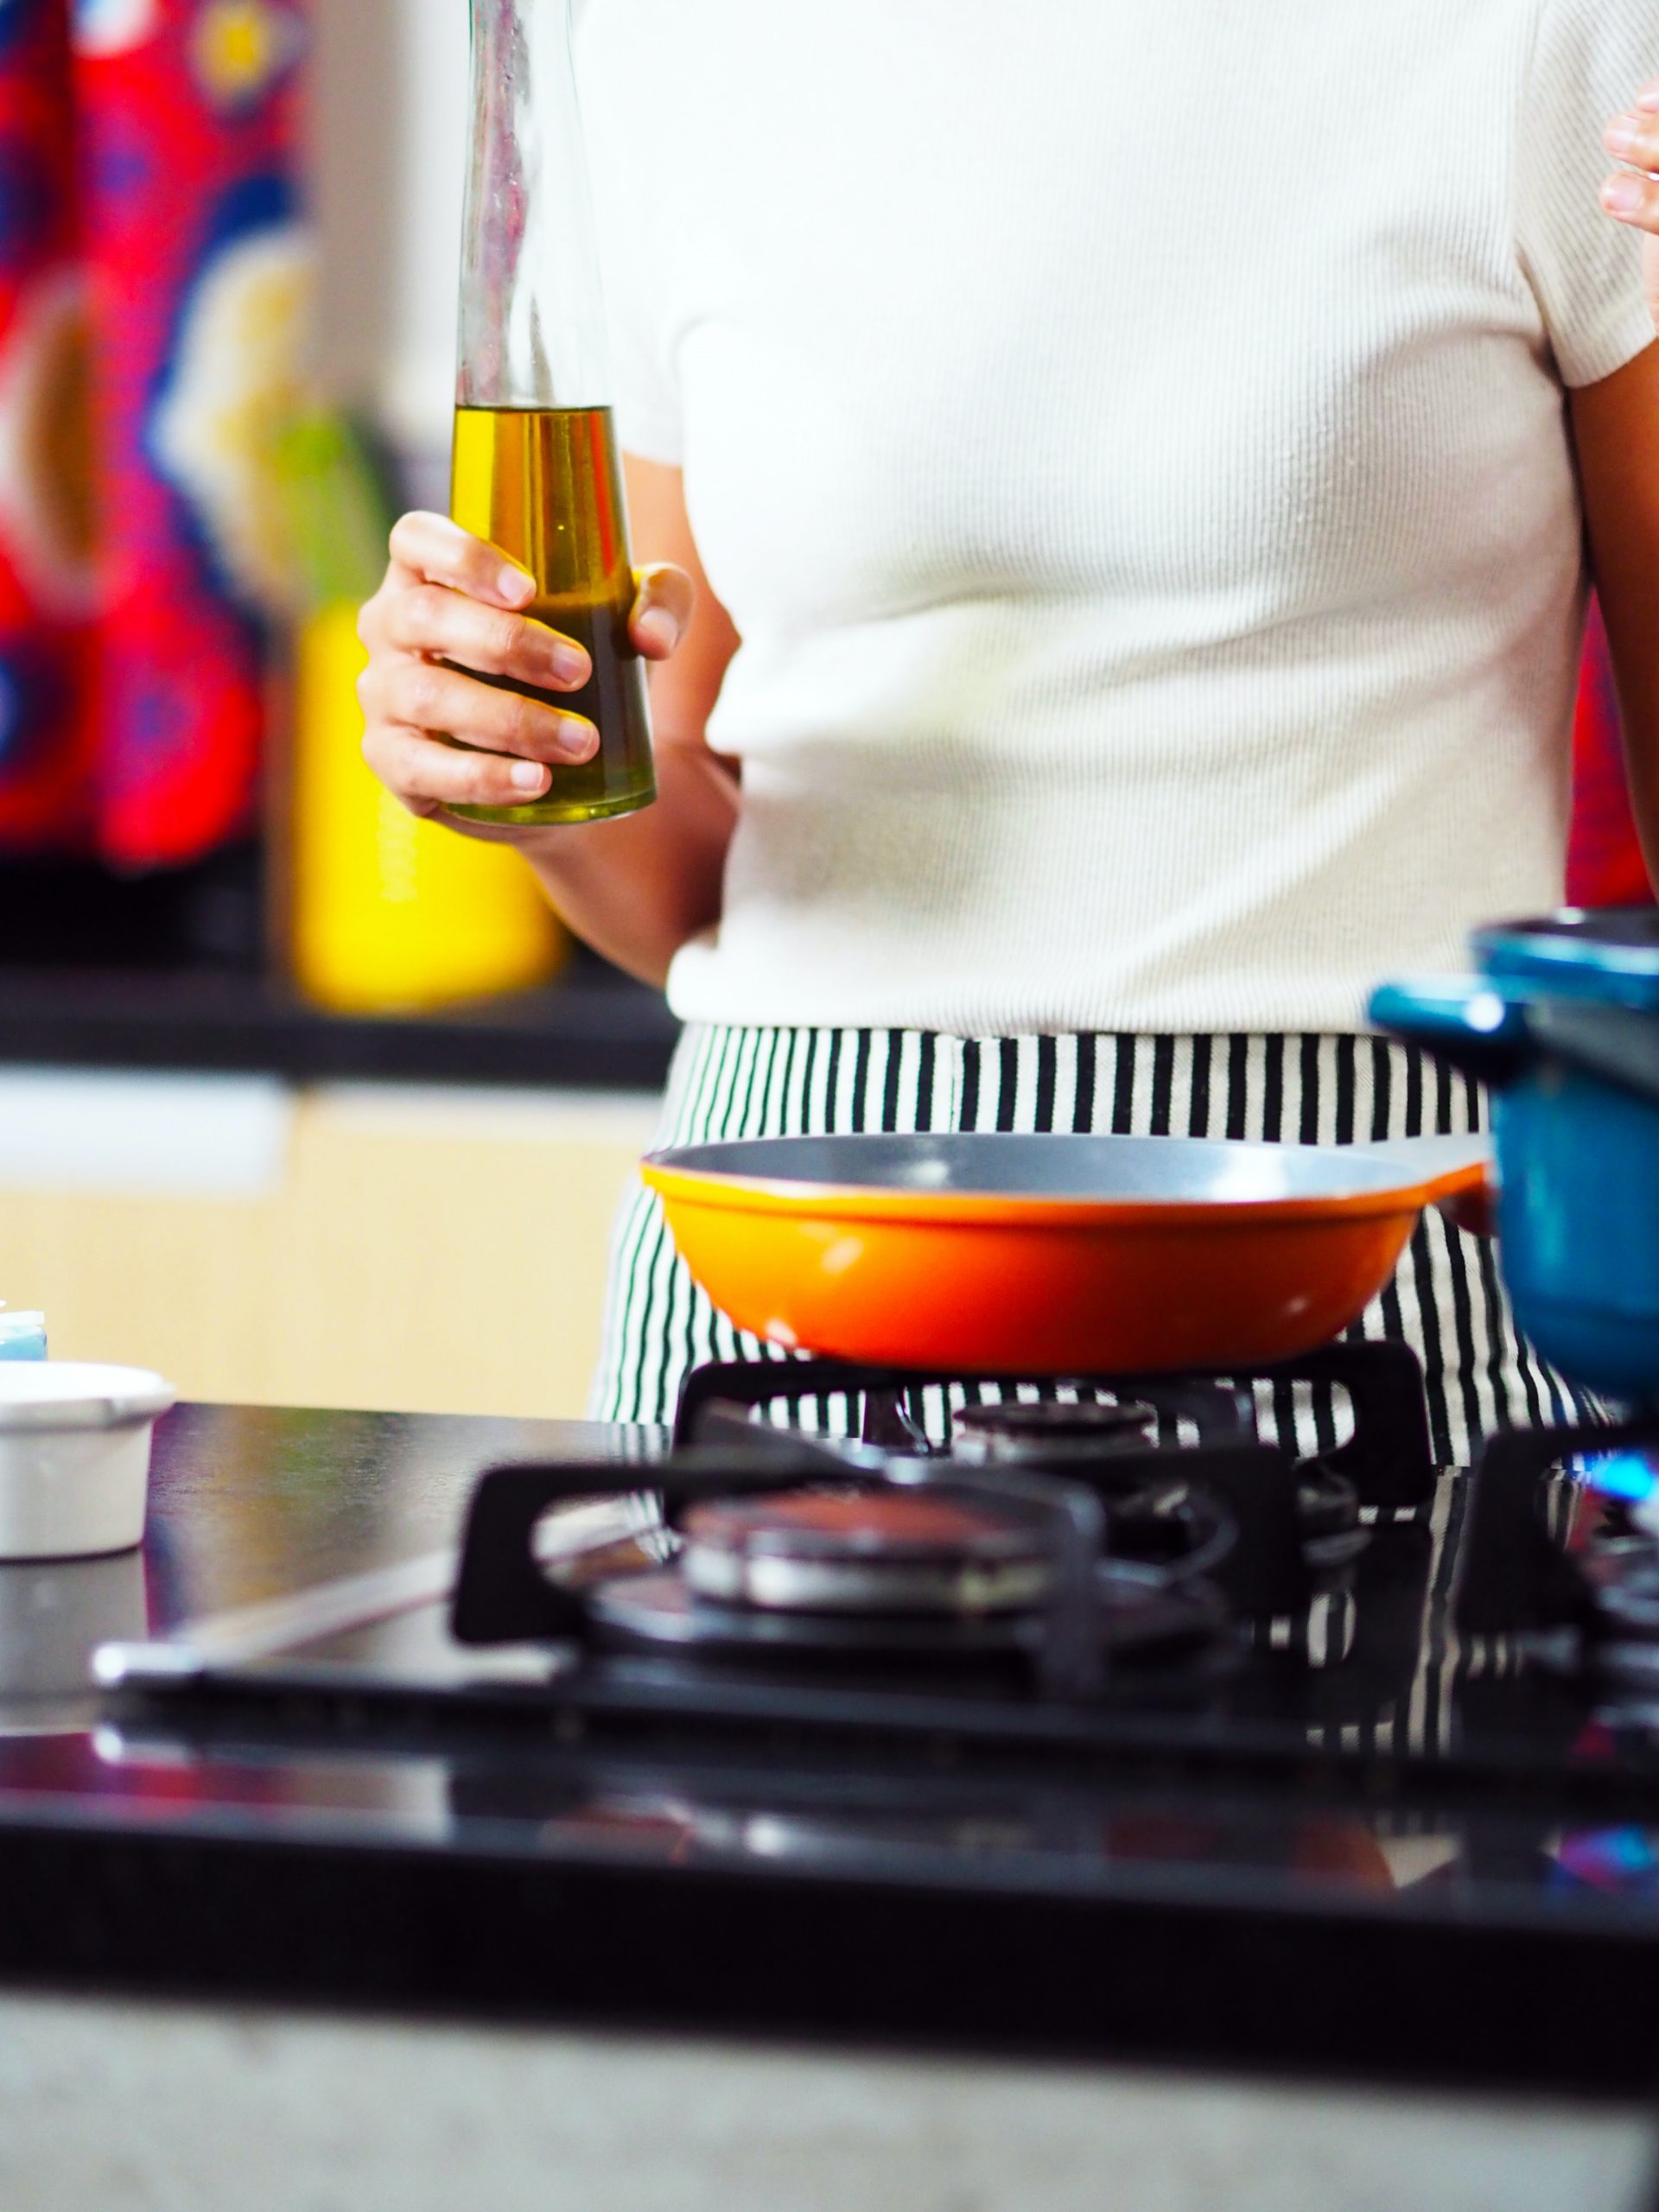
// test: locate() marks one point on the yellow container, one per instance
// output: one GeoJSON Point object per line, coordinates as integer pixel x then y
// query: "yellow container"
{"type": "Point", "coordinates": [387, 912]}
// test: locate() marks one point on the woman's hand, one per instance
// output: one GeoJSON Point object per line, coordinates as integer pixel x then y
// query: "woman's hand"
{"type": "Point", "coordinates": [448, 597]}
{"type": "Point", "coordinates": [1632, 195]}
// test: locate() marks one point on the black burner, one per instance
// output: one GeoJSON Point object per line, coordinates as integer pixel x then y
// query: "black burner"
{"type": "Point", "coordinates": [1105, 1524]}
{"type": "Point", "coordinates": [1051, 1432]}
{"type": "Point", "coordinates": [1141, 1621]}
{"type": "Point", "coordinates": [1177, 1460]}
{"type": "Point", "coordinates": [1386, 1458]}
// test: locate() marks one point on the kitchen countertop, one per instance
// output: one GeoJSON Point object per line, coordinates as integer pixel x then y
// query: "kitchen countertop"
{"type": "Point", "coordinates": [132, 2106]}
{"type": "Point", "coordinates": [441, 1875]}
{"type": "Point", "coordinates": [594, 1028]}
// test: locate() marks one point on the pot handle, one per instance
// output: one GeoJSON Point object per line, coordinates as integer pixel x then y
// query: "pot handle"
{"type": "Point", "coordinates": [1461, 1019]}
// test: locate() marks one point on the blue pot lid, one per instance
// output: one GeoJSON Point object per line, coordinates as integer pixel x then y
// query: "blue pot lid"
{"type": "Point", "coordinates": [1611, 953]}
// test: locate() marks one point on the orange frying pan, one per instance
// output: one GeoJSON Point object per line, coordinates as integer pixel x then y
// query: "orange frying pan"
{"type": "Point", "coordinates": [985, 1252]}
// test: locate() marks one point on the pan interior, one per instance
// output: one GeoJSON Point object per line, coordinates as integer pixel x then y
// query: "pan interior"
{"type": "Point", "coordinates": [1085, 1169]}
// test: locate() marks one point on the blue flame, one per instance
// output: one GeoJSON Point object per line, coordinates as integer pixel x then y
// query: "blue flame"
{"type": "Point", "coordinates": [1625, 1474]}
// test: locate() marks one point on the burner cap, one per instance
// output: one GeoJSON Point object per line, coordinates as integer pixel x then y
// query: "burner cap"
{"type": "Point", "coordinates": [1183, 1632]}
{"type": "Point", "coordinates": [1018, 1430]}
{"type": "Point", "coordinates": [910, 1550]}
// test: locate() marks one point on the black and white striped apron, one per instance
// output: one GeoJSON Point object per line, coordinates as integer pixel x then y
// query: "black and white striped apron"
{"type": "Point", "coordinates": [1446, 1299]}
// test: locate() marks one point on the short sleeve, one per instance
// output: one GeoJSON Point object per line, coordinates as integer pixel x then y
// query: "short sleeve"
{"type": "Point", "coordinates": [625, 150]}
{"type": "Point", "coordinates": [1589, 59]}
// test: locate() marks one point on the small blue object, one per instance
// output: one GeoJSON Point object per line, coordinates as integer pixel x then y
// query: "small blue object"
{"type": "Point", "coordinates": [22, 1336]}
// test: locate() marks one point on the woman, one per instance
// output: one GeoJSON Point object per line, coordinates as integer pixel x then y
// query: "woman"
{"type": "Point", "coordinates": [1114, 489]}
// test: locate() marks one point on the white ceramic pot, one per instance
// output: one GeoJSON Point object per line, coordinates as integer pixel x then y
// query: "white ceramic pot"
{"type": "Point", "coordinates": [74, 1457]}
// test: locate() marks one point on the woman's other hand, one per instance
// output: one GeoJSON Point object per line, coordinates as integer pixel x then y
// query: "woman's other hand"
{"type": "Point", "coordinates": [450, 603]}
{"type": "Point", "coordinates": [1631, 195]}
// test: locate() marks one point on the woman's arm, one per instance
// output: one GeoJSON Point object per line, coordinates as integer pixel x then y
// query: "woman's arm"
{"type": "Point", "coordinates": [637, 888]}
{"type": "Point", "coordinates": [1615, 428]}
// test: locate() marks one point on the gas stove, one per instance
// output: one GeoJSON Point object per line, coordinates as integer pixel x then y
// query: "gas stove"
{"type": "Point", "coordinates": [973, 1653]}
{"type": "Point", "coordinates": [1124, 1540]}
{"type": "Point", "coordinates": [1119, 1565]}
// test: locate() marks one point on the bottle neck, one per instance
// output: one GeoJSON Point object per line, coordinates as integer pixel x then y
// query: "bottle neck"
{"type": "Point", "coordinates": [532, 332]}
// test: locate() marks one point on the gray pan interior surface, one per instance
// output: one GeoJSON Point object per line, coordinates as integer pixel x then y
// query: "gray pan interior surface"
{"type": "Point", "coordinates": [1184, 1171]}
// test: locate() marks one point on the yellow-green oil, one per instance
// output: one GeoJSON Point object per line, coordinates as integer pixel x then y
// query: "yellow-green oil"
{"type": "Point", "coordinates": [545, 485]}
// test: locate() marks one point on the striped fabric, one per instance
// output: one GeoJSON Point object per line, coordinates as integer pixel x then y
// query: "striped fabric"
{"type": "Point", "coordinates": [1446, 1300]}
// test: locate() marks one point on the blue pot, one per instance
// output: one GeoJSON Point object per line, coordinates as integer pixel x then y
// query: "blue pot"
{"type": "Point", "coordinates": [1562, 1023]}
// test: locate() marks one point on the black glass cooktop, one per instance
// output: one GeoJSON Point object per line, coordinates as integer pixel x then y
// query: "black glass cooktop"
{"type": "Point", "coordinates": [1407, 1824]}
{"type": "Point", "coordinates": [1448, 1692]}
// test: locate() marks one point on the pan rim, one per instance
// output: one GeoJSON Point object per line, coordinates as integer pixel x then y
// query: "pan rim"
{"type": "Point", "coordinates": [730, 1191]}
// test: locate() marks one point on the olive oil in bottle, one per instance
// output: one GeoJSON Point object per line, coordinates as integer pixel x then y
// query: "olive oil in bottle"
{"type": "Point", "coordinates": [544, 483]}
{"type": "Point", "coordinates": [536, 464]}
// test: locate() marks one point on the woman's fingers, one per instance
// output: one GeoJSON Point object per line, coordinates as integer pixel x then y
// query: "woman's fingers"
{"type": "Point", "coordinates": [1632, 196]}
{"type": "Point", "coordinates": [663, 596]}
{"type": "Point", "coordinates": [427, 775]}
{"type": "Point", "coordinates": [455, 689]}
{"type": "Point", "coordinates": [433, 550]}
{"type": "Point", "coordinates": [419, 695]}
{"type": "Point", "coordinates": [1633, 200]}
{"type": "Point", "coordinates": [453, 659]}
{"type": "Point", "coordinates": [432, 619]}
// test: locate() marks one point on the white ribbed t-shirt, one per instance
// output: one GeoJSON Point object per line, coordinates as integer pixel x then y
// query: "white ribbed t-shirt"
{"type": "Point", "coordinates": [1130, 443]}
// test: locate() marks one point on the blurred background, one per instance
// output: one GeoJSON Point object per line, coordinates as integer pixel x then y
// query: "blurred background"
{"type": "Point", "coordinates": [300, 1101]}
